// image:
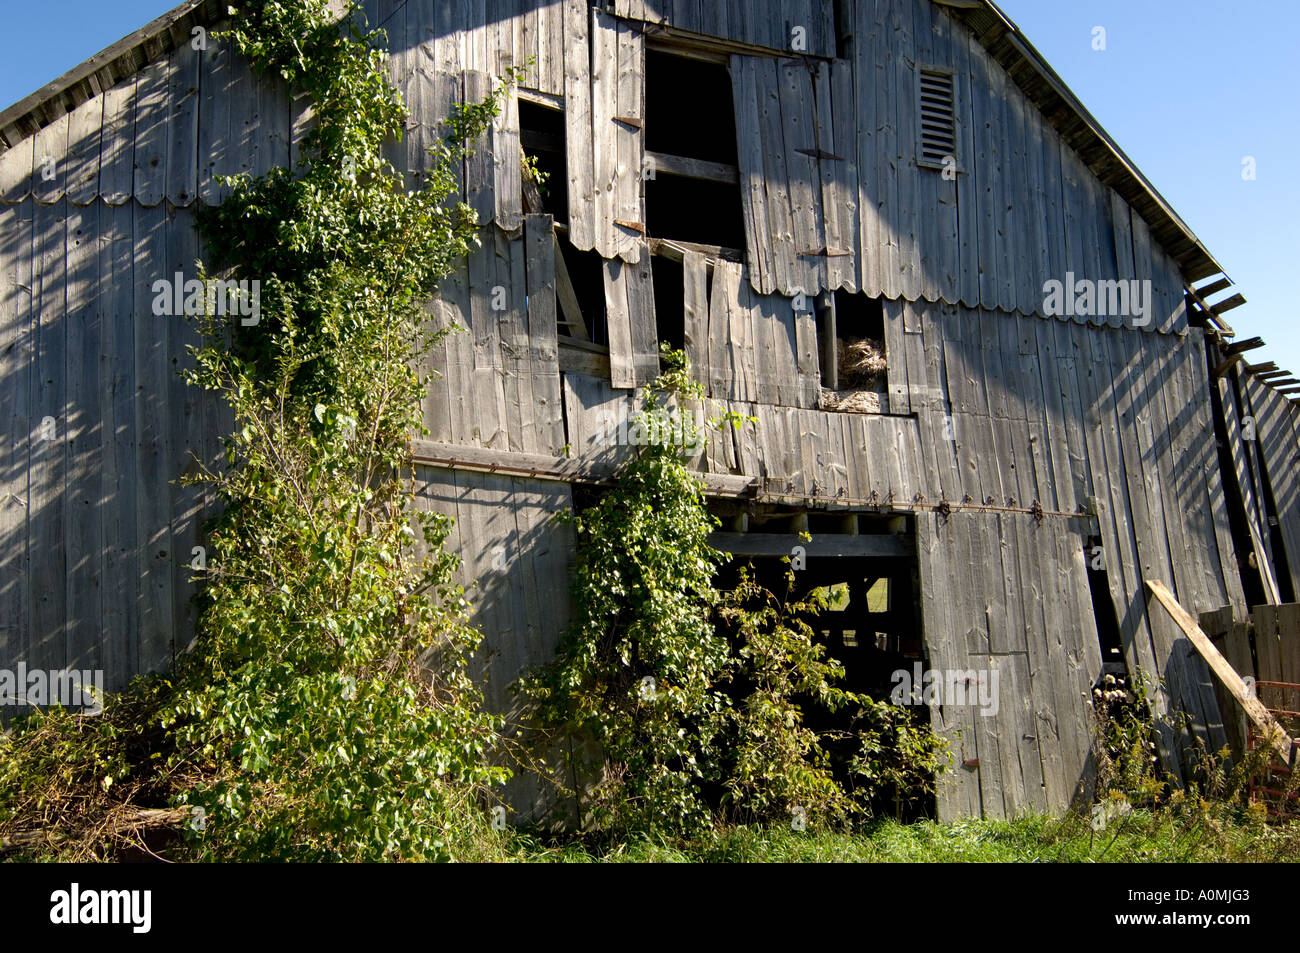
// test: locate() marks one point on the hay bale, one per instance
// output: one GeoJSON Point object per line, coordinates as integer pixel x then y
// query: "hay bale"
{"type": "Point", "coordinates": [861, 364]}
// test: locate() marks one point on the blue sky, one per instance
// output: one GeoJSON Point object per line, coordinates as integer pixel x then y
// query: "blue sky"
{"type": "Point", "coordinates": [1187, 87]}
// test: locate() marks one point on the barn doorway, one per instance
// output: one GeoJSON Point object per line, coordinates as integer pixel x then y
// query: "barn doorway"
{"type": "Point", "coordinates": [865, 567]}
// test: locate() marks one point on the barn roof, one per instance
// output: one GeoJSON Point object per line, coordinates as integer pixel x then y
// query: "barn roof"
{"type": "Point", "coordinates": [995, 31]}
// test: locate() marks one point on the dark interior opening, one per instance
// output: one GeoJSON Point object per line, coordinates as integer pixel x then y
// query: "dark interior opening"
{"type": "Point", "coordinates": [670, 301]}
{"type": "Point", "coordinates": [859, 316]}
{"type": "Point", "coordinates": [688, 113]}
{"type": "Point", "coordinates": [587, 272]}
{"type": "Point", "coordinates": [1103, 608]}
{"type": "Point", "coordinates": [541, 133]}
{"type": "Point", "coordinates": [688, 108]}
{"type": "Point", "coordinates": [872, 623]}
{"type": "Point", "coordinates": [1252, 580]}
{"type": "Point", "coordinates": [859, 343]}
{"type": "Point", "coordinates": [692, 210]}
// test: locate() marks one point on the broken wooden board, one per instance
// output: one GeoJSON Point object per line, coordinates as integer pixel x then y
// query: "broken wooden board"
{"type": "Point", "coordinates": [1278, 739]}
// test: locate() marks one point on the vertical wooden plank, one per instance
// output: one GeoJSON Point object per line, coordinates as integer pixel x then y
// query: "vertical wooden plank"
{"type": "Point", "coordinates": [480, 163]}
{"type": "Point", "coordinates": [153, 455]}
{"type": "Point", "coordinates": [507, 188]}
{"type": "Point", "coordinates": [84, 496]}
{"type": "Point", "coordinates": [837, 132]}
{"type": "Point", "coordinates": [84, 146]}
{"type": "Point", "coordinates": [865, 143]}
{"type": "Point", "coordinates": [621, 359]}
{"type": "Point", "coordinates": [629, 143]}
{"type": "Point", "coordinates": [182, 173]}
{"type": "Point", "coordinates": [577, 126]}
{"type": "Point", "coordinates": [753, 187]}
{"type": "Point", "coordinates": [604, 130]}
{"type": "Point", "coordinates": [538, 233]}
{"type": "Point", "coordinates": [151, 133]}
{"type": "Point", "coordinates": [488, 298]}
{"type": "Point", "coordinates": [987, 175]}
{"type": "Point", "coordinates": [695, 310]}
{"type": "Point", "coordinates": [19, 426]}
{"type": "Point", "coordinates": [50, 170]}
{"type": "Point", "coordinates": [780, 224]}
{"type": "Point", "coordinates": [908, 213]}
{"type": "Point", "coordinates": [16, 171]}
{"type": "Point", "coordinates": [47, 502]}
{"type": "Point", "coordinates": [216, 79]}
{"type": "Point", "coordinates": [798, 124]}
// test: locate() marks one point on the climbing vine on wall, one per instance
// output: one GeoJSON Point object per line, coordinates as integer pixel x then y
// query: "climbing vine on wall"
{"type": "Point", "coordinates": [326, 709]}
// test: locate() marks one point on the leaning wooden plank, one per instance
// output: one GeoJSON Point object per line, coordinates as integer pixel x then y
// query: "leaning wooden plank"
{"type": "Point", "coordinates": [542, 335]}
{"type": "Point", "coordinates": [695, 311]}
{"type": "Point", "coordinates": [1274, 736]}
{"type": "Point", "coordinates": [641, 318]}
{"type": "Point", "coordinates": [621, 361]}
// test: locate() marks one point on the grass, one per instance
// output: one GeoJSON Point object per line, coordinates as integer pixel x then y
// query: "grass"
{"type": "Point", "coordinates": [1141, 837]}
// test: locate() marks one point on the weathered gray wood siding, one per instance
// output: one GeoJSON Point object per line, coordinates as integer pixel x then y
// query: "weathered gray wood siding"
{"type": "Point", "coordinates": [990, 408]}
{"type": "Point", "coordinates": [1021, 209]}
{"type": "Point", "coordinates": [98, 535]}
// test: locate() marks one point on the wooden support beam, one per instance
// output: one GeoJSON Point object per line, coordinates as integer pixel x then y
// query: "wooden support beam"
{"type": "Point", "coordinates": [1247, 345]}
{"type": "Point", "coordinates": [1227, 304]}
{"type": "Point", "coordinates": [1271, 375]}
{"type": "Point", "coordinates": [675, 250]}
{"type": "Point", "coordinates": [1213, 287]}
{"type": "Point", "coordinates": [1288, 390]}
{"type": "Point", "coordinates": [885, 545]}
{"type": "Point", "coordinates": [1278, 739]}
{"type": "Point", "coordinates": [1226, 365]}
{"type": "Point", "coordinates": [1262, 368]}
{"type": "Point", "coordinates": [544, 467]}
{"type": "Point", "coordinates": [693, 168]}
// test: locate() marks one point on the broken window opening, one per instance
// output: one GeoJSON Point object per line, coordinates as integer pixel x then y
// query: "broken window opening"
{"type": "Point", "coordinates": [851, 344]}
{"type": "Point", "coordinates": [541, 135]}
{"type": "Point", "coordinates": [691, 180]}
{"type": "Point", "coordinates": [586, 278]}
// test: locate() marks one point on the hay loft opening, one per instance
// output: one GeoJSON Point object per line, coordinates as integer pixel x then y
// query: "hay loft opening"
{"type": "Point", "coordinates": [692, 184]}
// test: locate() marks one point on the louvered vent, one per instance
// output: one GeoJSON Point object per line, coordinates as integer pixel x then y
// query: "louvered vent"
{"type": "Point", "coordinates": [938, 118]}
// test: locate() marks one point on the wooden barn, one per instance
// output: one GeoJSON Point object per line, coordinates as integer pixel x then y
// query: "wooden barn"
{"type": "Point", "coordinates": [989, 363]}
